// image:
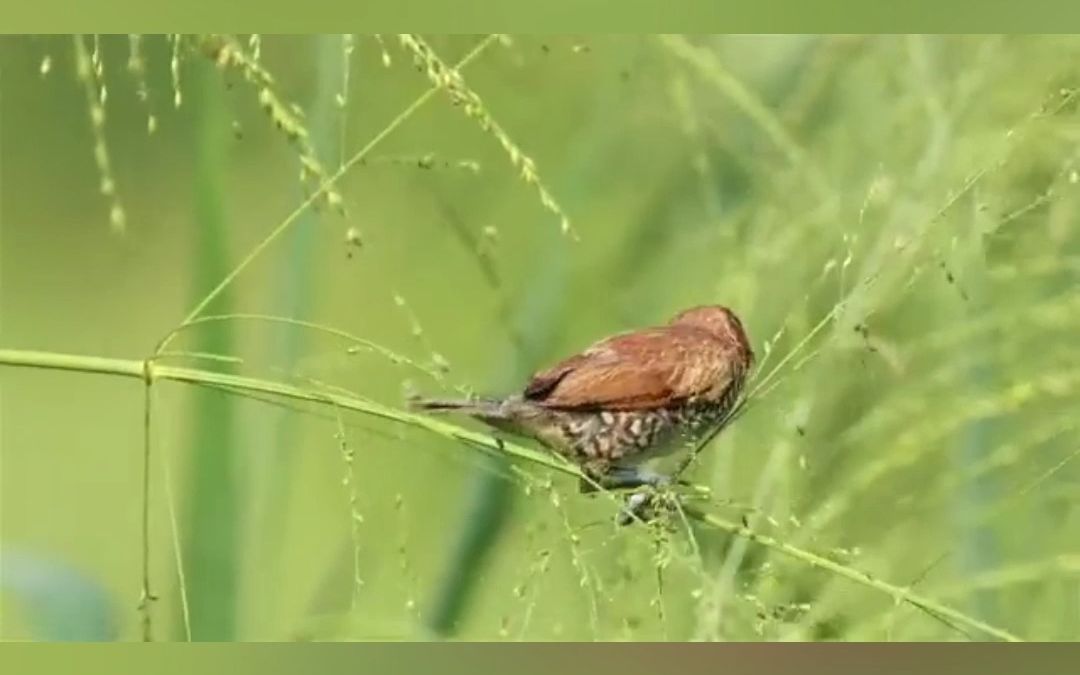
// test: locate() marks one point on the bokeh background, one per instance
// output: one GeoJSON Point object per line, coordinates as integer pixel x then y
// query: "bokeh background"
{"type": "Point", "coordinates": [893, 217]}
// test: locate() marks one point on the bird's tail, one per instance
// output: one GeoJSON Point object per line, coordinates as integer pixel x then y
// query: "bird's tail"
{"type": "Point", "coordinates": [510, 415]}
{"type": "Point", "coordinates": [477, 407]}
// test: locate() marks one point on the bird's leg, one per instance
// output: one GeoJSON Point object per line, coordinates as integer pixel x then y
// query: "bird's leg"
{"type": "Point", "coordinates": [630, 477]}
{"type": "Point", "coordinates": [616, 477]}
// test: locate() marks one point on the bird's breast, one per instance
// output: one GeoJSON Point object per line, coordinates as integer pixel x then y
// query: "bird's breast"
{"type": "Point", "coordinates": [615, 435]}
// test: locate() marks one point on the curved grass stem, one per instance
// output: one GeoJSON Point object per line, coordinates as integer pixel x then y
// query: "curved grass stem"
{"type": "Point", "coordinates": [137, 369]}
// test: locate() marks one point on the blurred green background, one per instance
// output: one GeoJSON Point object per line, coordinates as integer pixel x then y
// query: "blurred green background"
{"type": "Point", "coordinates": [893, 217]}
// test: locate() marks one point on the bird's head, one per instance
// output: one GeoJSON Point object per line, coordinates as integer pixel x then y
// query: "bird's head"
{"type": "Point", "coordinates": [719, 321]}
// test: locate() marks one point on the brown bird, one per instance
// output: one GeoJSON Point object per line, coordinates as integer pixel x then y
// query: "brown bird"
{"type": "Point", "coordinates": [625, 406]}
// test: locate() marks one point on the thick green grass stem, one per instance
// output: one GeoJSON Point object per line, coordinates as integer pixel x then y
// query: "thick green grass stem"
{"type": "Point", "coordinates": [213, 526]}
{"type": "Point", "coordinates": [294, 298]}
{"type": "Point", "coordinates": [491, 498]}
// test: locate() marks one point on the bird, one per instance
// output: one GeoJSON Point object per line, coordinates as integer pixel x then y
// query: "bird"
{"type": "Point", "coordinates": [629, 407]}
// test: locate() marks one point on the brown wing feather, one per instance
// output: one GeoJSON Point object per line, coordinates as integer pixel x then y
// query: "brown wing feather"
{"type": "Point", "coordinates": [644, 369]}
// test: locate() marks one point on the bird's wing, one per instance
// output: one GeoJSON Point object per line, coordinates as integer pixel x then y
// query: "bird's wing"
{"type": "Point", "coordinates": [644, 369]}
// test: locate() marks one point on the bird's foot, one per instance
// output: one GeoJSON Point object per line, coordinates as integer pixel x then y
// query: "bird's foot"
{"type": "Point", "coordinates": [653, 493]}
{"type": "Point", "coordinates": [638, 507]}
{"type": "Point", "coordinates": [647, 506]}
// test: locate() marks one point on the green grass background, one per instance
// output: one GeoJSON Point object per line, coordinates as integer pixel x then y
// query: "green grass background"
{"type": "Point", "coordinates": [894, 218]}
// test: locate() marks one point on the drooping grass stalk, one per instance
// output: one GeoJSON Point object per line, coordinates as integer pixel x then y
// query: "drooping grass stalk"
{"type": "Point", "coordinates": [356, 342]}
{"type": "Point", "coordinates": [449, 79]}
{"type": "Point", "coordinates": [161, 372]}
{"type": "Point", "coordinates": [90, 71]}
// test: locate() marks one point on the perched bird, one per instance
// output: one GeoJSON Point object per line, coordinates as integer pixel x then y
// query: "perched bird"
{"type": "Point", "coordinates": [623, 408]}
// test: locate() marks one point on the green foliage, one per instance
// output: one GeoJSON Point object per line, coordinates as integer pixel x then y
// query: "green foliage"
{"type": "Point", "coordinates": [893, 217]}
